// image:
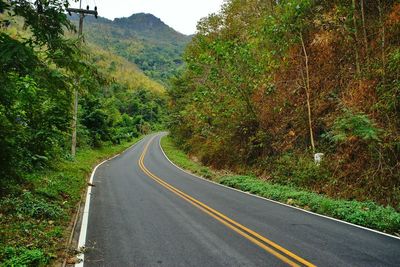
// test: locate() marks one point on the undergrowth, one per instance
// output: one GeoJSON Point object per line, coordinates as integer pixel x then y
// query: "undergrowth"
{"type": "Point", "coordinates": [181, 159]}
{"type": "Point", "coordinates": [35, 215]}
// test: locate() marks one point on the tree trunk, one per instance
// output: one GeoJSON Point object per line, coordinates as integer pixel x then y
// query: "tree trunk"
{"type": "Point", "coordinates": [364, 31]}
{"type": "Point", "coordinates": [358, 68]}
{"type": "Point", "coordinates": [272, 3]}
{"type": "Point", "coordinates": [383, 41]}
{"type": "Point", "coordinates": [308, 93]}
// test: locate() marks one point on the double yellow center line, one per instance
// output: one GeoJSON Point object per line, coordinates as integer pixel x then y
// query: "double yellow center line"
{"type": "Point", "coordinates": [271, 247]}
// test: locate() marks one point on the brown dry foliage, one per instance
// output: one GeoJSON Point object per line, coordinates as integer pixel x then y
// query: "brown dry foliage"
{"type": "Point", "coordinates": [360, 169]}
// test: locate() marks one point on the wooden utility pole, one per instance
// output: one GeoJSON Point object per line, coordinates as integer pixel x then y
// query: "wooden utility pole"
{"type": "Point", "coordinates": [82, 13]}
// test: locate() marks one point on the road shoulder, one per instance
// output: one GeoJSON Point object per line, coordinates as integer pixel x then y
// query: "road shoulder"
{"type": "Point", "coordinates": [365, 215]}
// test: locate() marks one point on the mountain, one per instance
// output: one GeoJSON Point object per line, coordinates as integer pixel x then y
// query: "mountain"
{"type": "Point", "coordinates": [142, 39]}
{"type": "Point", "coordinates": [122, 71]}
{"type": "Point", "coordinates": [150, 27]}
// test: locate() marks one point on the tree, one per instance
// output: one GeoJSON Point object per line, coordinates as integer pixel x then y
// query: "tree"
{"type": "Point", "coordinates": [291, 24]}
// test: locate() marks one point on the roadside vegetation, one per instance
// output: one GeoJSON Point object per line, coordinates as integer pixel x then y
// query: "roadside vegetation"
{"type": "Point", "coordinates": [268, 84]}
{"type": "Point", "coordinates": [41, 63]}
{"type": "Point", "coordinates": [367, 214]}
{"type": "Point", "coordinates": [36, 215]}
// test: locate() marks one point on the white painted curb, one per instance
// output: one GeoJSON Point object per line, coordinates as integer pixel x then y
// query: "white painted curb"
{"type": "Point", "coordinates": [85, 216]}
{"type": "Point", "coordinates": [270, 200]}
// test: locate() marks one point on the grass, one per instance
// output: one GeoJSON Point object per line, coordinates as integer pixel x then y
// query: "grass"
{"type": "Point", "coordinates": [368, 214]}
{"type": "Point", "coordinates": [35, 218]}
{"type": "Point", "coordinates": [181, 159]}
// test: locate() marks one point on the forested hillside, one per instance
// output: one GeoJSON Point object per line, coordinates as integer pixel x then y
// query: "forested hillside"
{"type": "Point", "coordinates": [121, 70]}
{"type": "Point", "coordinates": [143, 39]}
{"type": "Point", "coordinates": [38, 79]}
{"type": "Point", "coordinates": [262, 87]}
{"type": "Point", "coordinates": [269, 83]}
{"type": "Point", "coordinates": [41, 63]}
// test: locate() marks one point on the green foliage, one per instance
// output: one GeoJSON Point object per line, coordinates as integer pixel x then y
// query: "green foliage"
{"type": "Point", "coordinates": [38, 73]}
{"type": "Point", "coordinates": [354, 125]}
{"type": "Point", "coordinates": [33, 120]}
{"type": "Point", "coordinates": [35, 93]}
{"type": "Point", "coordinates": [260, 76]}
{"type": "Point", "coordinates": [181, 159]}
{"type": "Point", "coordinates": [23, 257]}
{"type": "Point", "coordinates": [54, 188]}
{"type": "Point", "coordinates": [97, 124]}
{"type": "Point", "coordinates": [39, 69]}
{"type": "Point", "coordinates": [121, 70]}
{"type": "Point", "coordinates": [28, 206]}
{"type": "Point", "coordinates": [389, 93]}
{"type": "Point", "coordinates": [143, 40]}
{"type": "Point", "coordinates": [15, 55]}
{"type": "Point", "coordinates": [123, 116]}
{"type": "Point", "coordinates": [288, 23]}
{"type": "Point", "coordinates": [46, 20]}
{"type": "Point", "coordinates": [366, 214]}
{"type": "Point", "coordinates": [296, 170]}
{"type": "Point", "coordinates": [35, 222]}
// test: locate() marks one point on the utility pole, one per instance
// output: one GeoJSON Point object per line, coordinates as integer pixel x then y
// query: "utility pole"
{"type": "Point", "coordinates": [82, 13]}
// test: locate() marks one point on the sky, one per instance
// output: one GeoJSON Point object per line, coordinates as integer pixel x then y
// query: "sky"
{"type": "Point", "coordinates": [182, 15]}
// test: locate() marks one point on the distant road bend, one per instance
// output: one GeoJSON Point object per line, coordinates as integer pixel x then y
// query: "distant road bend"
{"type": "Point", "coordinates": [144, 211]}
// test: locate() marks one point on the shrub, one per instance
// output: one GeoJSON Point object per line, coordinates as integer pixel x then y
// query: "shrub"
{"type": "Point", "coordinates": [297, 170]}
{"type": "Point", "coordinates": [366, 214]}
{"type": "Point", "coordinates": [23, 257]}
{"type": "Point", "coordinates": [354, 125]}
{"type": "Point", "coordinates": [30, 206]}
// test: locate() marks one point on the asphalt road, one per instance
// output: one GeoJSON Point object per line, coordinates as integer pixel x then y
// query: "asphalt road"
{"type": "Point", "coordinates": [146, 212]}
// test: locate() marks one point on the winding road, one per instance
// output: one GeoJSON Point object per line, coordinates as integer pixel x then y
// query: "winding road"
{"type": "Point", "coordinates": [144, 211]}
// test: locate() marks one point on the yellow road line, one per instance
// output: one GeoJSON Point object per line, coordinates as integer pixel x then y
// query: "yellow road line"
{"type": "Point", "coordinates": [237, 227]}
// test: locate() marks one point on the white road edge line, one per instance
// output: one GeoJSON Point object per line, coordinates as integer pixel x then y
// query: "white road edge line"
{"type": "Point", "coordinates": [273, 201]}
{"type": "Point", "coordinates": [85, 216]}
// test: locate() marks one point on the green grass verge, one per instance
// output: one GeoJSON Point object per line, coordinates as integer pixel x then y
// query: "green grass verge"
{"type": "Point", "coordinates": [366, 214]}
{"type": "Point", "coordinates": [35, 218]}
{"type": "Point", "coordinates": [181, 159]}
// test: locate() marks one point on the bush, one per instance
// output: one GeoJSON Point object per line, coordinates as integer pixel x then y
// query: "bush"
{"type": "Point", "coordinates": [296, 170]}
{"type": "Point", "coordinates": [366, 214]}
{"type": "Point", "coordinates": [23, 257]}
{"type": "Point", "coordinates": [30, 206]}
{"type": "Point", "coordinates": [354, 125]}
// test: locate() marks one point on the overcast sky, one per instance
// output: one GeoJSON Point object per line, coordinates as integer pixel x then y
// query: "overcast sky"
{"type": "Point", "coordinates": [182, 15]}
